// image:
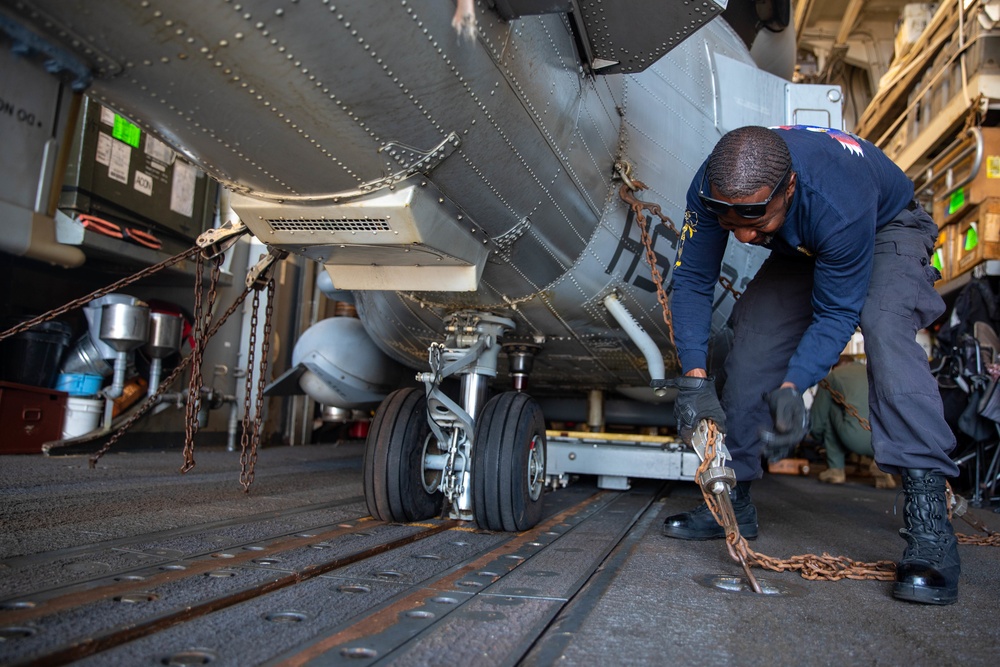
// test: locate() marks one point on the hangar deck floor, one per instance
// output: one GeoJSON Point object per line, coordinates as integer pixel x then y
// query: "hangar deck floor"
{"type": "Point", "coordinates": [133, 563]}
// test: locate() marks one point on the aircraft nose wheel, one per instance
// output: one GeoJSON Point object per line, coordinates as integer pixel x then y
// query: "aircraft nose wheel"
{"type": "Point", "coordinates": [397, 488]}
{"type": "Point", "coordinates": [508, 463]}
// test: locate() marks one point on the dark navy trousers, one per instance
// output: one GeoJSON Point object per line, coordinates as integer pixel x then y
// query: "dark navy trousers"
{"type": "Point", "coordinates": [907, 417]}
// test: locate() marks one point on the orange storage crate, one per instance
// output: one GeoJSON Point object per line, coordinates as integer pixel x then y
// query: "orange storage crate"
{"type": "Point", "coordinates": [976, 237]}
{"type": "Point", "coordinates": [958, 203]}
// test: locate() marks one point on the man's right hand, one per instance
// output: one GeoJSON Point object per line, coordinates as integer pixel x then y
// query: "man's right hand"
{"type": "Point", "coordinates": [696, 400]}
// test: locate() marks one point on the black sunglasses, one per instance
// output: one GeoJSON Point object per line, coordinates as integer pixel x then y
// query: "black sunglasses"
{"type": "Point", "coordinates": [746, 211]}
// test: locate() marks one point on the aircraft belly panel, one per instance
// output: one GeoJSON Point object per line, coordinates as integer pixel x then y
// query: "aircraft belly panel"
{"type": "Point", "coordinates": [296, 100]}
{"type": "Point", "coordinates": [226, 89]}
{"type": "Point", "coordinates": [560, 100]}
{"type": "Point", "coordinates": [670, 126]}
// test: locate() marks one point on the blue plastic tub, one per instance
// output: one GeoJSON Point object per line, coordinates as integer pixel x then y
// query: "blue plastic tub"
{"type": "Point", "coordinates": [79, 384]}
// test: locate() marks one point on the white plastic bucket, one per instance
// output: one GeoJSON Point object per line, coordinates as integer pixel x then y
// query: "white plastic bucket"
{"type": "Point", "coordinates": [82, 416]}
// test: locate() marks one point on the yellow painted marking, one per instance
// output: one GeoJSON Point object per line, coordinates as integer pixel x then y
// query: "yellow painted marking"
{"type": "Point", "coordinates": [618, 437]}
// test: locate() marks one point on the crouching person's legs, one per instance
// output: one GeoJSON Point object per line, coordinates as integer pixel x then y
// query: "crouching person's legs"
{"type": "Point", "coordinates": [768, 321]}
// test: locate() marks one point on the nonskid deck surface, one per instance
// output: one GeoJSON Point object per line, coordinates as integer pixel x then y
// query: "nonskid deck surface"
{"type": "Point", "coordinates": [136, 564]}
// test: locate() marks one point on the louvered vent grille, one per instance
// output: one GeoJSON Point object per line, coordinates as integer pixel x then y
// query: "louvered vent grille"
{"type": "Point", "coordinates": [330, 225]}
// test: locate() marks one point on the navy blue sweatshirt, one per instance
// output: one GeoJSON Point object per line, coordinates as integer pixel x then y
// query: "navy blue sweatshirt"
{"type": "Point", "coordinates": [846, 189]}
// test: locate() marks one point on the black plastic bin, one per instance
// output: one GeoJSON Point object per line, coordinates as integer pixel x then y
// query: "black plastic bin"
{"type": "Point", "coordinates": [32, 357]}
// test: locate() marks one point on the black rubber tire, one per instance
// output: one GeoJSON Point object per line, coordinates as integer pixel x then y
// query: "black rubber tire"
{"type": "Point", "coordinates": [393, 465]}
{"type": "Point", "coordinates": [508, 463]}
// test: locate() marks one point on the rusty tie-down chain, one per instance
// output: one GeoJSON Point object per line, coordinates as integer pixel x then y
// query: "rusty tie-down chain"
{"type": "Point", "coordinates": [626, 192]}
{"type": "Point", "coordinates": [717, 481]}
{"type": "Point", "coordinates": [989, 539]}
{"type": "Point", "coordinates": [251, 431]}
{"type": "Point", "coordinates": [202, 333]}
{"type": "Point", "coordinates": [727, 285]}
{"type": "Point", "coordinates": [842, 401]}
{"type": "Point", "coordinates": [202, 323]}
{"type": "Point", "coordinates": [198, 335]}
{"type": "Point", "coordinates": [150, 401]}
{"type": "Point", "coordinates": [204, 329]}
{"type": "Point", "coordinates": [959, 506]}
{"type": "Point", "coordinates": [809, 566]}
{"type": "Point", "coordinates": [104, 291]}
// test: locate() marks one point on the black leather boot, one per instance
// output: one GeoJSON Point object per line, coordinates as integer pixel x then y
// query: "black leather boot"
{"type": "Point", "coordinates": [929, 569]}
{"type": "Point", "coordinates": [699, 524]}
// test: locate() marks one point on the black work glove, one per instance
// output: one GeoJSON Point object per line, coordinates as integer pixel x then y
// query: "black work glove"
{"type": "Point", "coordinates": [696, 400]}
{"type": "Point", "coordinates": [791, 422]}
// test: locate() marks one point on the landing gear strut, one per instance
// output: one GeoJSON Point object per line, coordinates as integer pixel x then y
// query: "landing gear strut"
{"type": "Point", "coordinates": [485, 458]}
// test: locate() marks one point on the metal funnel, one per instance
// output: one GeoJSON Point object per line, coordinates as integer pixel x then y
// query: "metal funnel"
{"type": "Point", "coordinates": [164, 335]}
{"type": "Point", "coordinates": [164, 339]}
{"type": "Point", "coordinates": [124, 327]}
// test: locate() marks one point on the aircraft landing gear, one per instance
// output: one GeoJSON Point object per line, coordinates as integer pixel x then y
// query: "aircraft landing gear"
{"type": "Point", "coordinates": [485, 458]}
{"type": "Point", "coordinates": [398, 487]}
{"type": "Point", "coordinates": [508, 463]}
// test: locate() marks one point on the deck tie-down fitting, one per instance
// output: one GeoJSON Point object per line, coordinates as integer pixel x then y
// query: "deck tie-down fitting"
{"type": "Point", "coordinates": [716, 480]}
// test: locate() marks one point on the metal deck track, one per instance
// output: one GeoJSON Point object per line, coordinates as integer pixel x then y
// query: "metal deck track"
{"type": "Point", "coordinates": [134, 564]}
{"type": "Point", "coordinates": [355, 591]}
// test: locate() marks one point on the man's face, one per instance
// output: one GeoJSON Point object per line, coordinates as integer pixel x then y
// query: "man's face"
{"type": "Point", "coordinates": [757, 231]}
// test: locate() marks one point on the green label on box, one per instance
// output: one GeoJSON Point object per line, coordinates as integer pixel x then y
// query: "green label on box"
{"type": "Point", "coordinates": [126, 131]}
{"type": "Point", "coordinates": [936, 260]}
{"type": "Point", "coordinates": [957, 200]}
{"type": "Point", "coordinates": [971, 238]}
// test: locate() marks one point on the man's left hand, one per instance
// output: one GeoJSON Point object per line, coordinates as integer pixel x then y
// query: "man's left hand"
{"type": "Point", "coordinates": [791, 422]}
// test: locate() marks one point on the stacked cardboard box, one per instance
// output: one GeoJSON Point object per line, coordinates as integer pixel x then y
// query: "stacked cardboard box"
{"type": "Point", "coordinates": [975, 238]}
{"type": "Point", "coordinates": [952, 204]}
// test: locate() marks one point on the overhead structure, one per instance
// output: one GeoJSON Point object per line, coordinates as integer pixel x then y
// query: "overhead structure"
{"type": "Point", "coordinates": [847, 42]}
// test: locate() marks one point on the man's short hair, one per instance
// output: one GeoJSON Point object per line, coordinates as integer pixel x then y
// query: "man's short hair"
{"type": "Point", "coordinates": [747, 159]}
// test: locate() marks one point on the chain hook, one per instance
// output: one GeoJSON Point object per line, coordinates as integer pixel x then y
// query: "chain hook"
{"type": "Point", "coordinates": [261, 274]}
{"type": "Point", "coordinates": [214, 242]}
{"type": "Point", "coordinates": [624, 171]}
